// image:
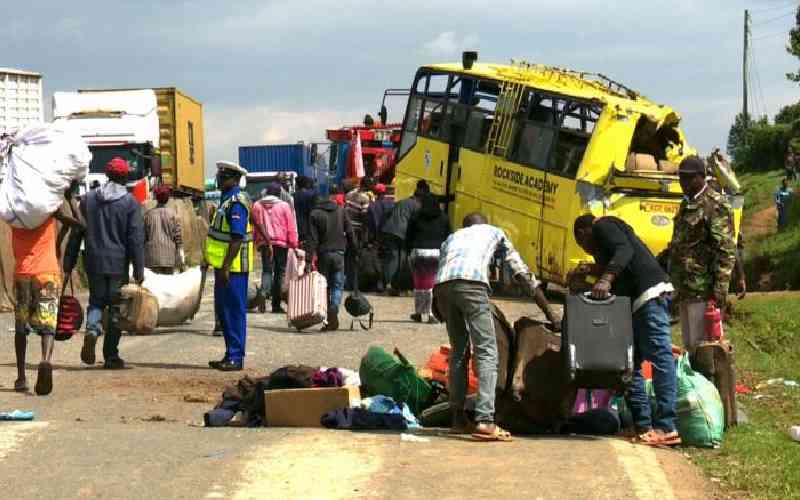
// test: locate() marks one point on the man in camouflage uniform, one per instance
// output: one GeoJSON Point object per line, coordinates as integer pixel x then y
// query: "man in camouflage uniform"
{"type": "Point", "coordinates": [702, 251]}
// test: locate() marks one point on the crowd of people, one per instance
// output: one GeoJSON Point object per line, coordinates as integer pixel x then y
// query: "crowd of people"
{"type": "Point", "coordinates": [449, 272]}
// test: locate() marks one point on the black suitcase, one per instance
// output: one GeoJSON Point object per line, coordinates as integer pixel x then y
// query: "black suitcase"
{"type": "Point", "coordinates": [597, 341]}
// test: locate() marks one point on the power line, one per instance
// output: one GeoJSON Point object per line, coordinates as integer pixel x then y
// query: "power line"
{"type": "Point", "coordinates": [782, 5]}
{"type": "Point", "coordinates": [773, 19]}
{"type": "Point", "coordinates": [762, 37]}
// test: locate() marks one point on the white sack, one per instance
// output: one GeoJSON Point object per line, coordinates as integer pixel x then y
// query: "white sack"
{"type": "Point", "coordinates": [178, 294]}
{"type": "Point", "coordinates": [45, 158]}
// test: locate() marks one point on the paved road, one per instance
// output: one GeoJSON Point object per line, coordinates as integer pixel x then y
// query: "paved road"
{"type": "Point", "coordinates": [131, 434]}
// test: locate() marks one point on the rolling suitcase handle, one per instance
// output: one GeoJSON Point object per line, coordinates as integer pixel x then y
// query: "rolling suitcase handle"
{"type": "Point", "coordinates": [587, 297]}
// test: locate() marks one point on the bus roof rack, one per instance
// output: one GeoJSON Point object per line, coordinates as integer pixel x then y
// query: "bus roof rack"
{"type": "Point", "coordinates": [611, 86]}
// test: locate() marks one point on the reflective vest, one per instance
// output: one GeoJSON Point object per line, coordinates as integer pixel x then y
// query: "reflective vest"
{"type": "Point", "coordinates": [219, 238]}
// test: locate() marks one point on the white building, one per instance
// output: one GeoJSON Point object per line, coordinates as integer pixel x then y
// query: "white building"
{"type": "Point", "coordinates": [21, 99]}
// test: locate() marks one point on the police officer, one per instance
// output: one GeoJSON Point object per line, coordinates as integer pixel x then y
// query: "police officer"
{"type": "Point", "coordinates": [229, 250]}
{"type": "Point", "coordinates": [702, 252]}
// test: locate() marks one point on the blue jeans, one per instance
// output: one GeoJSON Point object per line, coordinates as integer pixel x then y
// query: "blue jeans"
{"type": "Point", "coordinates": [652, 338]}
{"type": "Point", "coordinates": [331, 265]}
{"type": "Point", "coordinates": [103, 291]}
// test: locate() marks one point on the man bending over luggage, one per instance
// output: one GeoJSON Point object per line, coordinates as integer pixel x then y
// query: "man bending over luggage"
{"type": "Point", "coordinates": [627, 268]}
{"type": "Point", "coordinates": [461, 296]}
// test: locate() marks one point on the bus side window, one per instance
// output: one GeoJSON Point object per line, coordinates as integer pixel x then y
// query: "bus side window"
{"type": "Point", "coordinates": [535, 133]}
{"type": "Point", "coordinates": [577, 124]}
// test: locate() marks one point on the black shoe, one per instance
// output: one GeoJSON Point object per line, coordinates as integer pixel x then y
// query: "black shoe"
{"type": "Point", "coordinates": [416, 318]}
{"type": "Point", "coordinates": [87, 352]}
{"type": "Point", "coordinates": [216, 364]}
{"type": "Point", "coordinates": [278, 310]}
{"type": "Point", "coordinates": [114, 364]}
{"type": "Point", "coordinates": [230, 366]}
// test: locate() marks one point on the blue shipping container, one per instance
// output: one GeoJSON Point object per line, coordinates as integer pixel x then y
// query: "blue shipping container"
{"type": "Point", "coordinates": [276, 158]}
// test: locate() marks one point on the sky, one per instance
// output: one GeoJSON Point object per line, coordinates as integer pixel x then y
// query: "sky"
{"type": "Point", "coordinates": [279, 71]}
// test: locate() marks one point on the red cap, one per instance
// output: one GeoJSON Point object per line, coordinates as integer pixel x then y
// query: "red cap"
{"type": "Point", "coordinates": [117, 167]}
{"type": "Point", "coordinates": [380, 188]}
{"type": "Point", "coordinates": [162, 193]}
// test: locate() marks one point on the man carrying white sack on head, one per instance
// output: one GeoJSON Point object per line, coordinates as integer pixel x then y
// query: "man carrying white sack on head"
{"type": "Point", "coordinates": [43, 162]}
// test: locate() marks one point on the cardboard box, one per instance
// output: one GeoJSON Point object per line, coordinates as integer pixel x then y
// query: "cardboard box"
{"type": "Point", "coordinates": [305, 407]}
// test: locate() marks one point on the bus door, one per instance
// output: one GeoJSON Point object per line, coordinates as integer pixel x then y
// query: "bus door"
{"type": "Point", "coordinates": [470, 124]}
{"type": "Point", "coordinates": [560, 203]}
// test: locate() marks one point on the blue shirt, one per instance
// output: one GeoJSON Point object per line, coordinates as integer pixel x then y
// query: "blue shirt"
{"type": "Point", "coordinates": [236, 214]}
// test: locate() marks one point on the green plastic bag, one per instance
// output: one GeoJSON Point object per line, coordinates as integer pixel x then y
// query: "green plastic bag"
{"type": "Point", "coordinates": [383, 374]}
{"type": "Point", "coordinates": [701, 417]}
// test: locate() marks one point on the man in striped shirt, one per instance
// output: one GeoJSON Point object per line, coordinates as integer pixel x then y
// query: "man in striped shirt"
{"type": "Point", "coordinates": [163, 244]}
{"type": "Point", "coordinates": [462, 299]}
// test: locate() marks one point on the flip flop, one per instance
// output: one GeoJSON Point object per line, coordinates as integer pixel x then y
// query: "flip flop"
{"type": "Point", "coordinates": [44, 379]}
{"type": "Point", "coordinates": [496, 434]}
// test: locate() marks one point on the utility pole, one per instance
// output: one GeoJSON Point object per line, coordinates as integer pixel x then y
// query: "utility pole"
{"type": "Point", "coordinates": [745, 114]}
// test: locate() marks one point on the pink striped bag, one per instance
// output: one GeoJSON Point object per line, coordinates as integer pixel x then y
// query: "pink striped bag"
{"type": "Point", "coordinates": [308, 301]}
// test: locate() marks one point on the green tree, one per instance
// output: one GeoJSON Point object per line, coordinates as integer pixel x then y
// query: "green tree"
{"type": "Point", "coordinates": [788, 114]}
{"type": "Point", "coordinates": [737, 138]}
{"type": "Point", "coordinates": [794, 45]}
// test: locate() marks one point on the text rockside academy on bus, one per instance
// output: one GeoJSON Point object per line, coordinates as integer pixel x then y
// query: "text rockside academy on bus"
{"type": "Point", "coordinates": [523, 179]}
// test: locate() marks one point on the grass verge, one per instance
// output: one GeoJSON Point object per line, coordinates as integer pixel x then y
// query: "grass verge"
{"type": "Point", "coordinates": [759, 459]}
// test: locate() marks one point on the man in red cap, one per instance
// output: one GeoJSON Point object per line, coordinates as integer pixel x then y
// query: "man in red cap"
{"type": "Point", "coordinates": [114, 238]}
{"type": "Point", "coordinates": [163, 245]}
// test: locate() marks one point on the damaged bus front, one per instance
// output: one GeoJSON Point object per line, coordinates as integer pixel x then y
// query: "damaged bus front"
{"type": "Point", "coordinates": [533, 147]}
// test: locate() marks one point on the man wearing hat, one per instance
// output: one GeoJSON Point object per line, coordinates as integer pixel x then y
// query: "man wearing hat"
{"type": "Point", "coordinates": [702, 252]}
{"type": "Point", "coordinates": [163, 245]}
{"type": "Point", "coordinates": [114, 240]}
{"type": "Point", "coordinates": [229, 250]}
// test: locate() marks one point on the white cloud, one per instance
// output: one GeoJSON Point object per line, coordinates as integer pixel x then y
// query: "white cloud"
{"type": "Point", "coordinates": [230, 127]}
{"type": "Point", "coordinates": [448, 44]}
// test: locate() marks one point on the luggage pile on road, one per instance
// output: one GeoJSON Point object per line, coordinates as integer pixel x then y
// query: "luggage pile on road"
{"type": "Point", "coordinates": [547, 383]}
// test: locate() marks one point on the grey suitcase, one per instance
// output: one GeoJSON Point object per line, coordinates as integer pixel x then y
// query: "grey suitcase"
{"type": "Point", "coordinates": [598, 341]}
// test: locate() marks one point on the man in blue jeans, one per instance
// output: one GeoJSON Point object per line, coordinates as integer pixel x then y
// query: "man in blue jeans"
{"type": "Point", "coordinates": [114, 240]}
{"type": "Point", "coordinates": [330, 236]}
{"type": "Point", "coordinates": [627, 268]}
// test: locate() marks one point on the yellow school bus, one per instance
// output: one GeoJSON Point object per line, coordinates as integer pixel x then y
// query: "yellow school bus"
{"type": "Point", "coordinates": [533, 147]}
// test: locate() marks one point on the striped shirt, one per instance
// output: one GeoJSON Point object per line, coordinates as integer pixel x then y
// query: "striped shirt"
{"type": "Point", "coordinates": [467, 253]}
{"type": "Point", "coordinates": [162, 237]}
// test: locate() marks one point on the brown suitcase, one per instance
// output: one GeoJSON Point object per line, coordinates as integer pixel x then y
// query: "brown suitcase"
{"type": "Point", "coordinates": [541, 394]}
{"type": "Point", "coordinates": [138, 310]}
{"type": "Point", "coordinates": [716, 362]}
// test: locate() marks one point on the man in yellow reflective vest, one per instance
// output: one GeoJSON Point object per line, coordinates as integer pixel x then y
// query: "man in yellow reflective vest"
{"type": "Point", "coordinates": [229, 250]}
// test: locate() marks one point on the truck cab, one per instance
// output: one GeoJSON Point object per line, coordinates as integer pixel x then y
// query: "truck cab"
{"type": "Point", "coordinates": [119, 123]}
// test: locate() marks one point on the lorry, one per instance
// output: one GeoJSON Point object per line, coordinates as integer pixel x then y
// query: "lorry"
{"type": "Point", "coordinates": [282, 162]}
{"type": "Point", "coordinates": [159, 131]}
{"type": "Point", "coordinates": [379, 143]}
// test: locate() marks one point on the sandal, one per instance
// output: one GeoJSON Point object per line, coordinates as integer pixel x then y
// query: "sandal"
{"type": "Point", "coordinates": [491, 432]}
{"type": "Point", "coordinates": [670, 438]}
